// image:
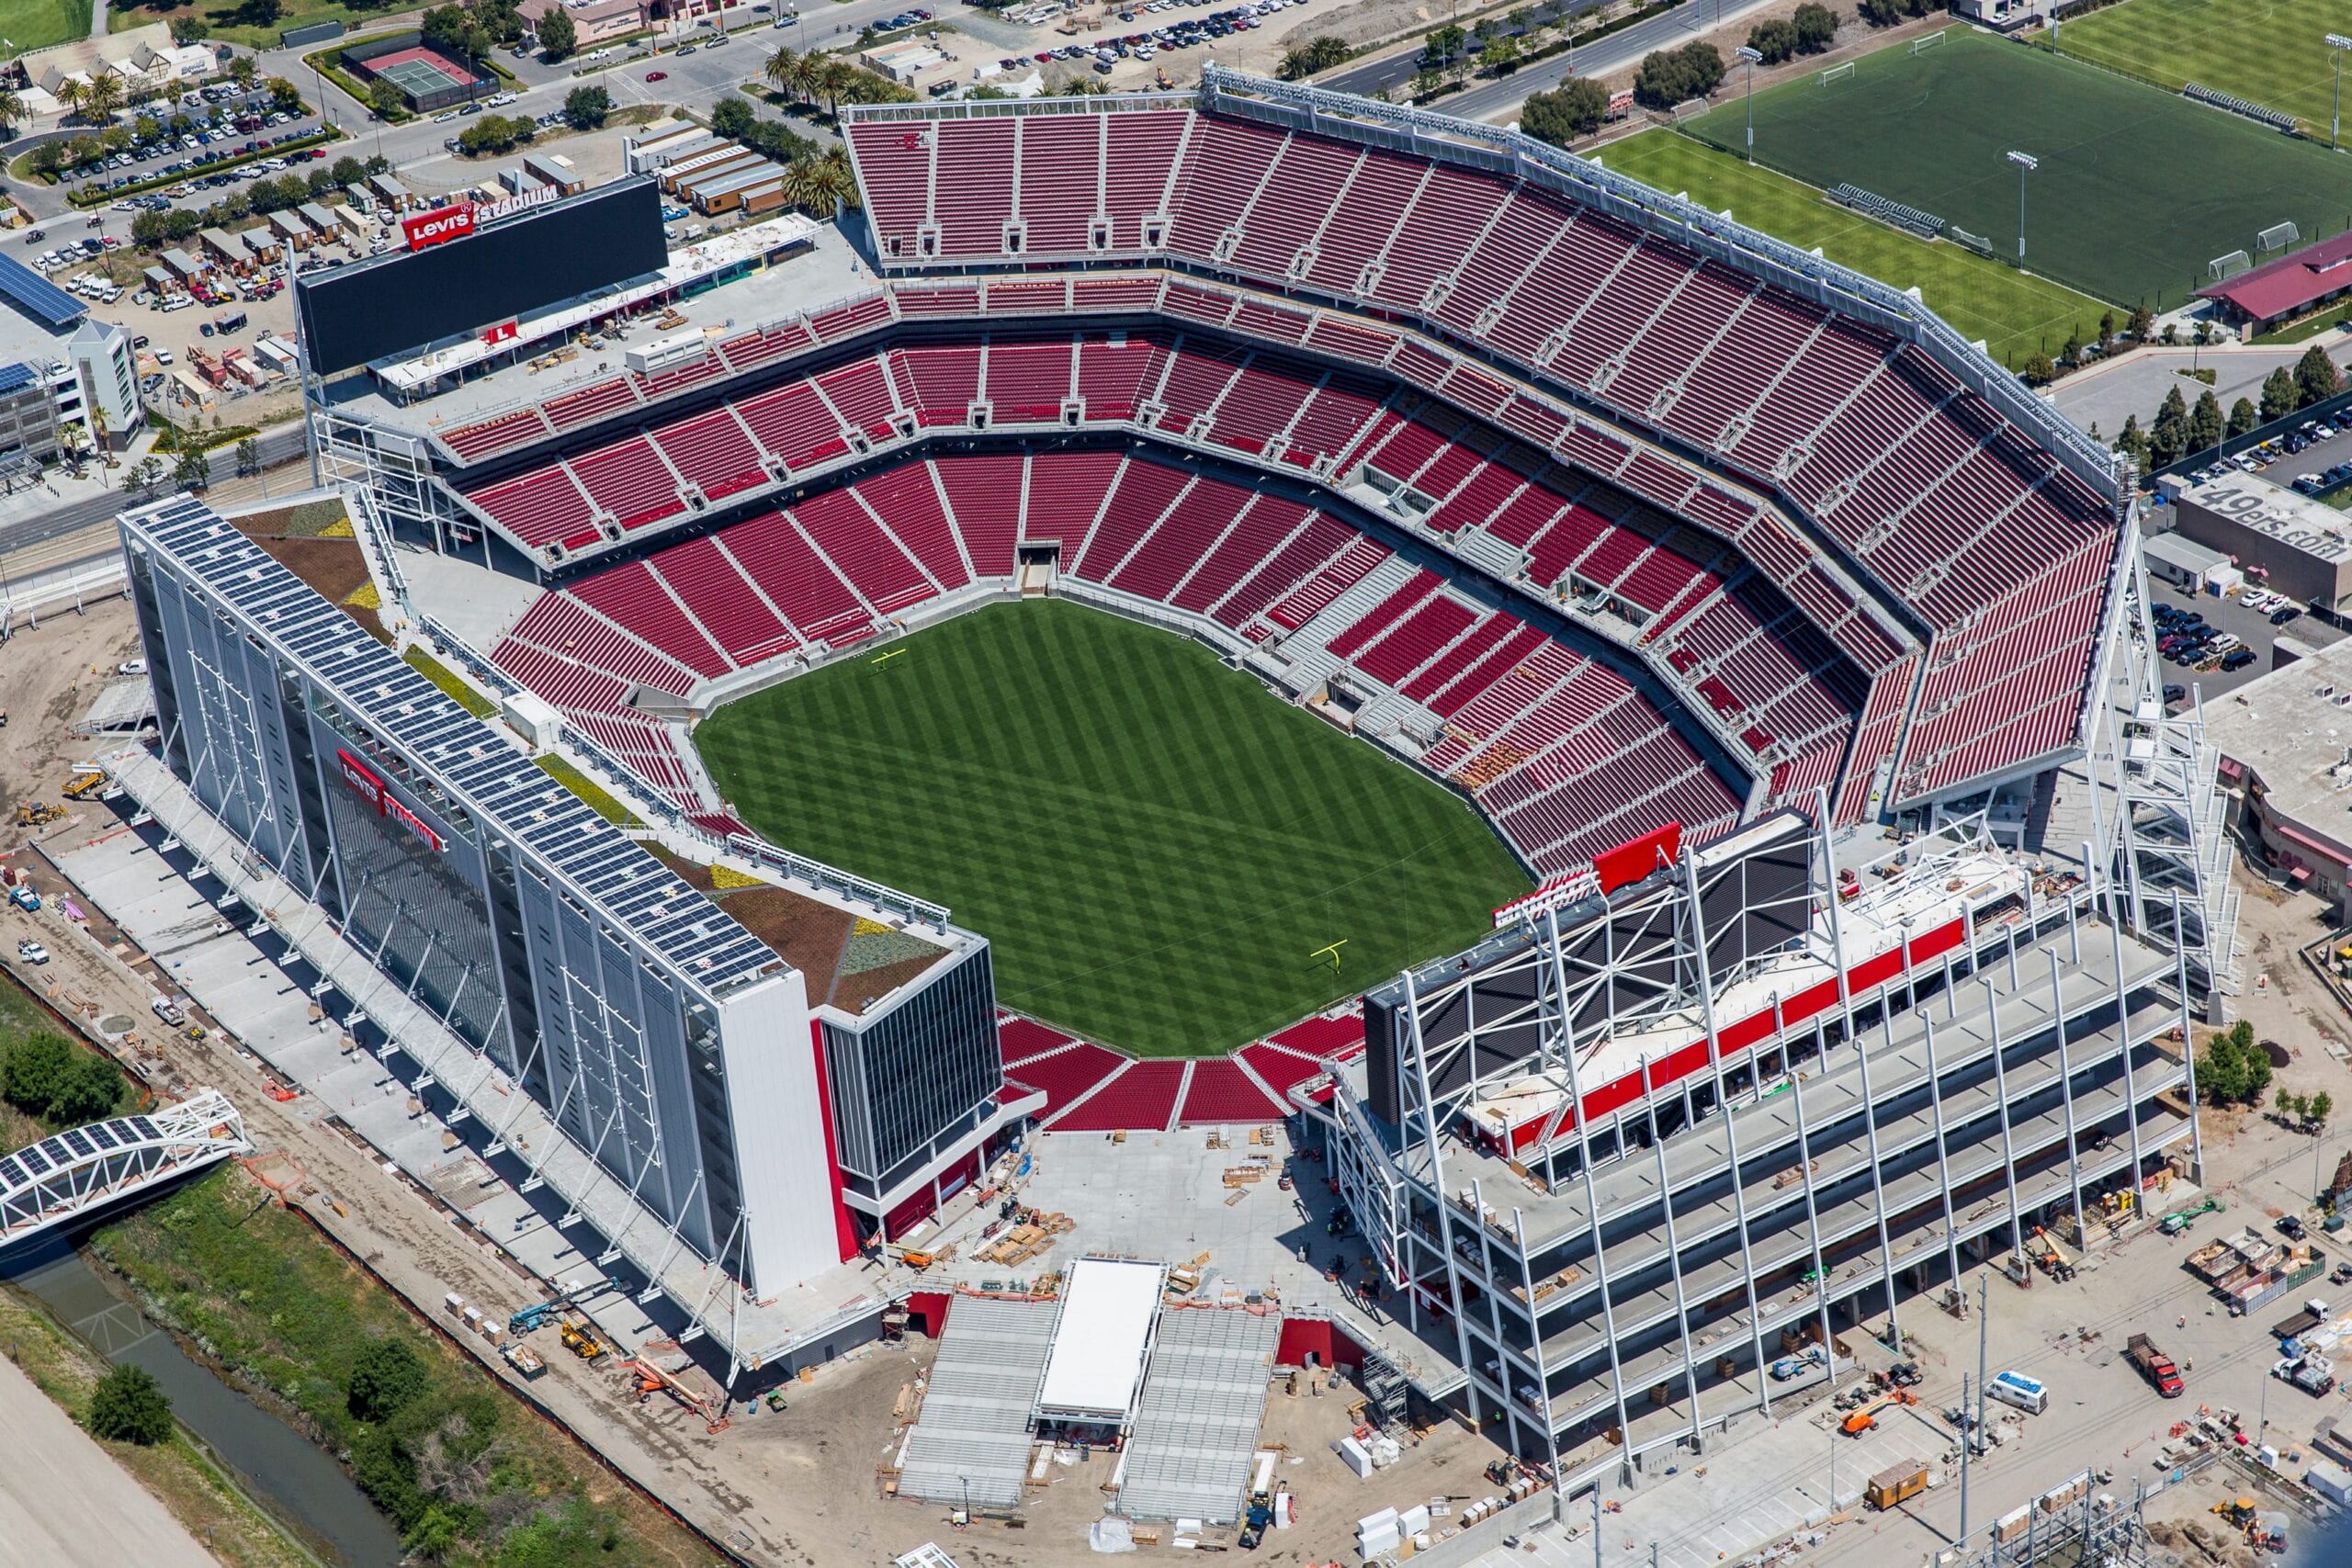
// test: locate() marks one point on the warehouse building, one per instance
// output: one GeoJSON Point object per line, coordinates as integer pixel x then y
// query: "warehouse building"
{"type": "Point", "coordinates": [2299, 547]}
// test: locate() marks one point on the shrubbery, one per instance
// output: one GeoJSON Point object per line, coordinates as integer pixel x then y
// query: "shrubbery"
{"type": "Point", "coordinates": [1670, 76]}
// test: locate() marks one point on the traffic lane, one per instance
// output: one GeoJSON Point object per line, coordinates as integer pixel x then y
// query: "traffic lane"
{"type": "Point", "coordinates": [47, 202]}
{"type": "Point", "coordinates": [1501, 98]}
{"type": "Point", "coordinates": [1371, 76]}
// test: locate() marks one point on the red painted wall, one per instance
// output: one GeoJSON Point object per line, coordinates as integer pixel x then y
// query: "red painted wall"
{"type": "Point", "coordinates": [1331, 1347]}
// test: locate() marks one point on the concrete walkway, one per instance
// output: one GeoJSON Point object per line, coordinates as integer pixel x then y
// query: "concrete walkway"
{"type": "Point", "coordinates": [65, 1504]}
{"type": "Point", "coordinates": [2106, 395]}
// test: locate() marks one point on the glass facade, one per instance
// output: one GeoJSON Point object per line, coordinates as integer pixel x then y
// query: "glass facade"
{"type": "Point", "coordinates": [916, 1077]}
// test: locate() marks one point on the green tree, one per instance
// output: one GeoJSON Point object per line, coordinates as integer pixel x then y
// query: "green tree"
{"type": "Point", "coordinates": [34, 1070]}
{"type": "Point", "coordinates": [2143, 321]}
{"type": "Point", "coordinates": [242, 69]}
{"type": "Point", "coordinates": [347, 170]}
{"type": "Point", "coordinates": [2278, 394]}
{"type": "Point", "coordinates": [439, 1530]}
{"type": "Point", "coordinates": [2244, 417]}
{"type": "Point", "coordinates": [193, 472]}
{"type": "Point", "coordinates": [1444, 44]}
{"type": "Point", "coordinates": [1816, 28]}
{"type": "Point", "coordinates": [1315, 55]}
{"type": "Point", "coordinates": [2205, 423]}
{"type": "Point", "coordinates": [585, 107]}
{"type": "Point", "coordinates": [1427, 80]}
{"type": "Point", "coordinates": [2316, 377]}
{"type": "Point", "coordinates": [1669, 77]}
{"type": "Point", "coordinates": [2133, 442]}
{"type": "Point", "coordinates": [2235, 1069]}
{"type": "Point", "coordinates": [2106, 331]}
{"type": "Point", "coordinates": [248, 457]}
{"type": "Point", "coordinates": [129, 1406]}
{"type": "Point", "coordinates": [101, 97]}
{"type": "Point", "coordinates": [731, 116]}
{"type": "Point", "coordinates": [2290, 1105]}
{"type": "Point", "coordinates": [1578, 108]}
{"type": "Point", "coordinates": [2039, 371]}
{"type": "Point", "coordinates": [260, 13]}
{"type": "Point", "coordinates": [285, 96]}
{"type": "Point", "coordinates": [1776, 41]}
{"type": "Point", "coordinates": [188, 29]}
{"type": "Point", "coordinates": [2318, 1107]}
{"type": "Point", "coordinates": [385, 98]}
{"type": "Point", "coordinates": [1500, 55]}
{"type": "Point", "coordinates": [559, 36]}
{"type": "Point", "coordinates": [385, 1380]}
{"type": "Point", "coordinates": [145, 476]}
{"type": "Point", "coordinates": [2168, 437]}
{"type": "Point", "coordinates": [90, 1089]}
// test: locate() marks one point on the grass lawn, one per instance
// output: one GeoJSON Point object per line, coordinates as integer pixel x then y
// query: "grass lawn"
{"type": "Point", "coordinates": [1155, 847]}
{"type": "Point", "coordinates": [228, 22]}
{"type": "Point", "coordinates": [456, 689]}
{"type": "Point", "coordinates": [2015, 313]}
{"type": "Point", "coordinates": [37, 24]}
{"type": "Point", "coordinates": [2137, 191]}
{"type": "Point", "coordinates": [600, 800]}
{"type": "Point", "coordinates": [2272, 53]}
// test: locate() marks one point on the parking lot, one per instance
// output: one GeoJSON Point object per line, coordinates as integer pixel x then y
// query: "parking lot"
{"type": "Point", "coordinates": [2252, 627]}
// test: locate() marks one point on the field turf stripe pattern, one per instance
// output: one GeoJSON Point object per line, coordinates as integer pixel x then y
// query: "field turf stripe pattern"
{"type": "Point", "coordinates": [2137, 191]}
{"type": "Point", "coordinates": [2016, 313]}
{"type": "Point", "coordinates": [1155, 845]}
{"type": "Point", "coordinates": [2272, 53]}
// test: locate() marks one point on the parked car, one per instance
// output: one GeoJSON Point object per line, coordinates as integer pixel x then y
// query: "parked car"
{"type": "Point", "coordinates": [2279, 617]}
{"type": "Point", "coordinates": [2239, 659]}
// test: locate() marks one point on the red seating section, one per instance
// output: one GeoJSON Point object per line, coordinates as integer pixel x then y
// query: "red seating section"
{"type": "Point", "coordinates": [1066, 1075]}
{"type": "Point", "coordinates": [1920, 480]}
{"type": "Point", "coordinates": [1141, 1095]}
{"type": "Point", "coordinates": [1541, 736]}
{"type": "Point", "coordinates": [1219, 1091]}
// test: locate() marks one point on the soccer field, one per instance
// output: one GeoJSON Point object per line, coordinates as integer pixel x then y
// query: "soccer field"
{"type": "Point", "coordinates": [2137, 191]}
{"type": "Point", "coordinates": [2272, 53]}
{"type": "Point", "coordinates": [1155, 846]}
{"type": "Point", "coordinates": [2016, 313]}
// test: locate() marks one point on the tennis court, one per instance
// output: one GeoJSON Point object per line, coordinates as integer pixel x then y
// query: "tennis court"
{"type": "Point", "coordinates": [2136, 189]}
{"type": "Point", "coordinates": [419, 73]}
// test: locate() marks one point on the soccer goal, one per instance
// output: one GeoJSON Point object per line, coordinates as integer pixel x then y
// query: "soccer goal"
{"type": "Point", "coordinates": [2230, 265]}
{"type": "Point", "coordinates": [1837, 73]}
{"type": "Point", "coordinates": [1919, 45]}
{"type": "Point", "coordinates": [2277, 236]}
{"type": "Point", "coordinates": [1689, 110]}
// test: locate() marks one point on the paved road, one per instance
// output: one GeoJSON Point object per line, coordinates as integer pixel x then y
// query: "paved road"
{"type": "Point", "coordinates": [64, 1501]}
{"type": "Point", "coordinates": [1499, 98]}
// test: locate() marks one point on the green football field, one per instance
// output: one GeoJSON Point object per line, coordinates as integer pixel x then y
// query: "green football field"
{"type": "Point", "coordinates": [1157, 849]}
{"type": "Point", "coordinates": [2015, 313]}
{"type": "Point", "coordinates": [2272, 53]}
{"type": "Point", "coordinates": [37, 24]}
{"type": "Point", "coordinates": [2136, 191]}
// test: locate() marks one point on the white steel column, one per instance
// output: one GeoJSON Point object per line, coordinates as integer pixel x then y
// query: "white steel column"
{"type": "Point", "coordinates": [1747, 1254]}
{"type": "Point", "coordinates": [1943, 1158]}
{"type": "Point", "coordinates": [1674, 1269]}
{"type": "Point", "coordinates": [1878, 1186]}
{"type": "Point", "coordinates": [2123, 1042]}
{"type": "Point", "coordinates": [2008, 1145]}
{"type": "Point", "coordinates": [1487, 1288]}
{"type": "Point", "coordinates": [1535, 1344]}
{"type": "Point", "coordinates": [2066, 1087]}
{"type": "Point", "coordinates": [2187, 1045]}
{"type": "Point", "coordinates": [1444, 1209]}
{"type": "Point", "coordinates": [1591, 1194]}
{"type": "Point", "coordinates": [1812, 1229]}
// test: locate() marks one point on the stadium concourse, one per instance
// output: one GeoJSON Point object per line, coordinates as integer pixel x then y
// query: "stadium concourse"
{"type": "Point", "coordinates": [1601, 510]}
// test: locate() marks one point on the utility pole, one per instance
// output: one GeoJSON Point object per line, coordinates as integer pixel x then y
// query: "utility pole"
{"type": "Point", "coordinates": [1751, 58]}
{"type": "Point", "coordinates": [1596, 1526]}
{"type": "Point", "coordinates": [1967, 1442]}
{"type": "Point", "coordinates": [2338, 43]}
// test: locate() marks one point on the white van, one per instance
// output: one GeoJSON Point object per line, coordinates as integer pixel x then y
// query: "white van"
{"type": "Point", "coordinates": [2029, 1394]}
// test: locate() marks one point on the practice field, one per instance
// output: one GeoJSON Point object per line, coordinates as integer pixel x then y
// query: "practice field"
{"type": "Point", "coordinates": [37, 24]}
{"type": "Point", "coordinates": [2138, 189]}
{"type": "Point", "coordinates": [2272, 53]}
{"type": "Point", "coordinates": [2016, 313]}
{"type": "Point", "coordinates": [1155, 846]}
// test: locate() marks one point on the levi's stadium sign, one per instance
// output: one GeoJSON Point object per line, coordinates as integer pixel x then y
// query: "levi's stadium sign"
{"type": "Point", "coordinates": [370, 788]}
{"type": "Point", "coordinates": [441, 224]}
{"type": "Point", "coordinates": [459, 219]}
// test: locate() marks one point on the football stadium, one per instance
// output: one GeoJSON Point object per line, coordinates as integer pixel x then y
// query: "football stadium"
{"type": "Point", "coordinates": [1633, 742]}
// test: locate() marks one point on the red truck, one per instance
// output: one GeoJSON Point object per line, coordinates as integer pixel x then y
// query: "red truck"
{"type": "Point", "coordinates": [2157, 1365]}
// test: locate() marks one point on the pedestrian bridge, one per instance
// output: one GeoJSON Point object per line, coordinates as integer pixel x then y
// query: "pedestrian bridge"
{"type": "Point", "coordinates": [48, 1185]}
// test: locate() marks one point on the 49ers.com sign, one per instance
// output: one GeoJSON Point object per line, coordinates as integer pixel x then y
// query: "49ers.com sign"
{"type": "Point", "coordinates": [364, 781]}
{"type": "Point", "coordinates": [443, 223]}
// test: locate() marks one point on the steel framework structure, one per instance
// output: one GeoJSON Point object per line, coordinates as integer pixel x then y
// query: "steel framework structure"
{"type": "Point", "coordinates": [1622, 1155]}
{"type": "Point", "coordinates": [75, 1173]}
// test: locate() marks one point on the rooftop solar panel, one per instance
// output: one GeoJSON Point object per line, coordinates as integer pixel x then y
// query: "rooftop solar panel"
{"type": "Point", "coordinates": [103, 1135]}
{"type": "Point", "coordinates": [76, 1141]}
{"type": "Point", "coordinates": [142, 1127]}
{"type": "Point", "coordinates": [36, 295]}
{"type": "Point", "coordinates": [35, 1160]}
{"type": "Point", "coordinates": [11, 1173]}
{"type": "Point", "coordinates": [15, 376]}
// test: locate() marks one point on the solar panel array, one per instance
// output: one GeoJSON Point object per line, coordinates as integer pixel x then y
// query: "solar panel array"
{"type": "Point", "coordinates": [73, 1147]}
{"type": "Point", "coordinates": [36, 295]}
{"type": "Point", "coordinates": [497, 784]}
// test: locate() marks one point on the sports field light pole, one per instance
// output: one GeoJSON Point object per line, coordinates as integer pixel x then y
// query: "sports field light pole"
{"type": "Point", "coordinates": [2026, 162]}
{"type": "Point", "coordinates": [1753, 57]}
{"type": "Point", "coordinates": [2339, 43]}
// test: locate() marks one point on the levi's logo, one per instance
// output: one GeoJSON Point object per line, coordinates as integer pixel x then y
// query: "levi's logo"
{"type": "Point", "coordinates": [440, 224]}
